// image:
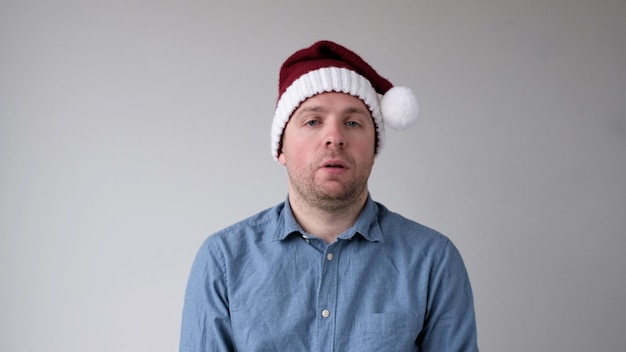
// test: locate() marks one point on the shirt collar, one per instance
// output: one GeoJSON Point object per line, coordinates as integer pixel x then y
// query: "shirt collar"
{"type": "Point", "coordinates": [286, 223]}
{"type": "Point", "coordinates": [366, 224]}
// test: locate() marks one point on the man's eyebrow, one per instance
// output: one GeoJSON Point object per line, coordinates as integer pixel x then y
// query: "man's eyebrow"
{"type": "Point", "coordinates": [321, 108]}
{"type": "Point", "coordinates": [308, 109]}
{"type": "Point", "coordinates": [356, 110]}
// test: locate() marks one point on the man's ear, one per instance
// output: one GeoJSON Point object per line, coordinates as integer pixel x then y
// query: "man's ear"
{"type": "Point", "coordinates": [281, 158]}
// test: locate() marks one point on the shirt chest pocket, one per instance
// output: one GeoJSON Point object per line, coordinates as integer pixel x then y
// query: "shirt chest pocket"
{"type": "Point", "coordinates": [395, 331]}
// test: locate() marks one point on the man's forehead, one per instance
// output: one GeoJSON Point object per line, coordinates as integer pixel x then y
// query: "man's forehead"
{"type": "Point", "coordinates": [326, 101]}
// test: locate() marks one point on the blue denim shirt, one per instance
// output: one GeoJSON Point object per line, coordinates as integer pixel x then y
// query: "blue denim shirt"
{"type": "Point", "coordinates": [386, 284]}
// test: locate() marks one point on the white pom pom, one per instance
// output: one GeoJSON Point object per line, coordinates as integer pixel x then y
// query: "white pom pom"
{"type": "Point", "coordinates": [399, 108]}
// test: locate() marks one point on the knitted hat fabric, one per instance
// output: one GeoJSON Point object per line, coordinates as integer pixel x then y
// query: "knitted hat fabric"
{"type": "Point", "coordinates": [326, 66]}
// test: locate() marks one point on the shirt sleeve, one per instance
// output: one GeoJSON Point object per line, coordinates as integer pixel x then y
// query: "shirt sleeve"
{"type": "Point", "coordinates": [450, 323]}
{"type": "Point", "coordinates": [206, 320]}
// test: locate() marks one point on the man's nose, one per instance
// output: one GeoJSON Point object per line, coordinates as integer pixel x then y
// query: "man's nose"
{"type": "Point", "coordinates": [335, 135]}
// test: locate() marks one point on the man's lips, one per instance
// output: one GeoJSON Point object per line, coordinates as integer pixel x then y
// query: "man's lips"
{"type": "Point", "coordinates": [334, 164]}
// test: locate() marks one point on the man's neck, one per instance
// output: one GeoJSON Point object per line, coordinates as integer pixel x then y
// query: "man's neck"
{"type": "Point", "coordinates": [326, 223]}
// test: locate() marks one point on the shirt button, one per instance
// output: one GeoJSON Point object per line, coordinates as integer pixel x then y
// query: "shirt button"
{"type": "Point", "coordinates": [325, 313]}
{"type": "Point", "coordinates": [329, 256]}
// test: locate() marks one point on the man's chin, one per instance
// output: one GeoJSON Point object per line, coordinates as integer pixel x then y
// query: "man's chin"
{"type": "Point", "coordinates": [334, 190]}
{"type": "Point", "coordinates": [338, 196]}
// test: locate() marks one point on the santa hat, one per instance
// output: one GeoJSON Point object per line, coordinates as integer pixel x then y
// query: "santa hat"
{"type": "Point", "coordinates": [326, 66]}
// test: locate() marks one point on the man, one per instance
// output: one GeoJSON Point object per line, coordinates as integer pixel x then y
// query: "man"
{"type": "Point", "coordinates": [329, 269]}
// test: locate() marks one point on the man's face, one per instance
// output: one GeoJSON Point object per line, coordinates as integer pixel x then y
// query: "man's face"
{"type": "Point", "coordinates": [328, 149]}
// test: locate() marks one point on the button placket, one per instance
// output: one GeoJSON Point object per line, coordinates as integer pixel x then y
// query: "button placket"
{"type": "Point", "coordinates": [327, 298]}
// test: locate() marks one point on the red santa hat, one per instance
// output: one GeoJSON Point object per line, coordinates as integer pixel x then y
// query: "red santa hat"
{"type": "Point", "coordinates": [326, 66]}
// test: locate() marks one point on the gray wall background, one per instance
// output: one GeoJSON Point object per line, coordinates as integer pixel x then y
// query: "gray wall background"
{"type": "Point", "coordinates": [132, 130]}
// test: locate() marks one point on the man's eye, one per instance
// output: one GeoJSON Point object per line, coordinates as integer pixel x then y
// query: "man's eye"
{"type": "Point", "coordinates": [312, 123]}
{"type": "Point", "coordinates": [353, 124]}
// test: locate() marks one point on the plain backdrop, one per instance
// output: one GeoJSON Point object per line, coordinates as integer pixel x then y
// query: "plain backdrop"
{"type": "Point", "coordinates": [132, 130]}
